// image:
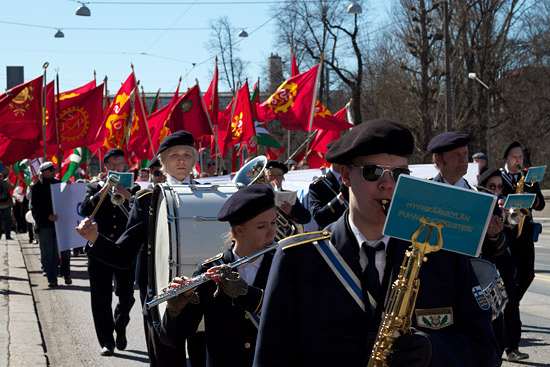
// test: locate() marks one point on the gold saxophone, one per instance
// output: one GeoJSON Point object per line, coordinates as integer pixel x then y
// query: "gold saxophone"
{"type": "Point", "coordinates": [397, 316]}
{"type": "Point", "coordinates": [516, 217]}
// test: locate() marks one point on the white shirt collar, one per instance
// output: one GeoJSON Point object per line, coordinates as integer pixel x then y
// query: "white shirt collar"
{"type": "Point", "coordinates": [361, 238]}
{"type": "Point", "coordinates": [380, 257]}
{"type": "Point", "coordinates": [460, 183]}
{"type": "Point", "coordinates": [249, 270]}
{"type": "Point", "coordinates": [336, 174]}
{"type": "Point", "coordinates": [173, 181]}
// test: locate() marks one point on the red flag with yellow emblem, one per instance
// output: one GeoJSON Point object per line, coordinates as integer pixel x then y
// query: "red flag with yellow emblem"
{"type": "Point", "coordinates": [114, 129]}
{"type": "Point", "coordinates": [77, 91]}
{"type": "Point", "coordinates": [240, 127]}
{"type": "Point", "coordinates": [292, 101]}
{"type": "Point", "coordinates": [138, 140]}
{"type": "Point", "coordinates": [21, 111]}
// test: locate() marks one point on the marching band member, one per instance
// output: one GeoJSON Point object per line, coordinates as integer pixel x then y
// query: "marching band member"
{"type": "Point", "coordinates": [112, 220]}
{"type": "Point", "coordinates": [312, 317]}
{"type": "Point", "coordinates": [177, 156]}
{"type": "Point", "coordinates": [230, 316]}
{"type": "Point", "coordinates": [327, 200]}
{"type": "Point", "coordinates": [275, 174]}
{"type": "Point", "coordinates": [491, 181]}
{"type": "Point", "coordinates": [522, 247]}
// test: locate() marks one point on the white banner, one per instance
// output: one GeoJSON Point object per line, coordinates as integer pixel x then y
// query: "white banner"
{"type": "Point", "coordinates": [66, 200]}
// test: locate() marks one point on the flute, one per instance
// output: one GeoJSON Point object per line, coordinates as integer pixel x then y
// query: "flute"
{"type": "Point", "coordinates": [200, 279]}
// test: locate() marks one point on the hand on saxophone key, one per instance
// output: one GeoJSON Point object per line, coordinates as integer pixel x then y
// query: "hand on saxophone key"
{"type": "Point", "coordinates": [87, 229]}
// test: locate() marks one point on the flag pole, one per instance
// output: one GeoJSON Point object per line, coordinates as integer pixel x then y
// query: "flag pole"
{"type": "Point", "coordinates": [310, 135]}
{"type": "Point", "coordinates": [45, 66]}
{"type": "Point", "coordinates": [146, 105]}
{"type": "Point", "coordinates": [313, 103]}
{"type": "Point", "coordinates": [210, 123]}
{"type": "Point", "coordinates": [57, 120]}
{"type": "Point", "coordinates": [145, 116]}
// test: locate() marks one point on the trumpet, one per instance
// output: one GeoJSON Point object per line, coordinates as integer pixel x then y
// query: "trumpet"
{"type": "Point", "coordinates": [200, 279]}
{"type": "Point", "coordinates": [112, 181]}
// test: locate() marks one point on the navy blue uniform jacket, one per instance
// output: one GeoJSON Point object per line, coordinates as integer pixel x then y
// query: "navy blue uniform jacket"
{"type": "Point", "coordinates": [309, 319]}
{"type": "Point", "coordinates": [132, 243]}
{"type": "Point", "coordinates": [230, 335]}
{"type": "Point", "coordinates": [323, 200]}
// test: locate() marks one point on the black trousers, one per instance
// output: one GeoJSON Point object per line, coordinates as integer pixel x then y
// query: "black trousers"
{"type": "Point", "coordinates": [101, 290]}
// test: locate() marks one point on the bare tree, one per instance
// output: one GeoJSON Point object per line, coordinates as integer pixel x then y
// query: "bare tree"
{"type": "Point", "coordinates": [323, 27]}
{"type": "Point", "coordinates": [222, 42]}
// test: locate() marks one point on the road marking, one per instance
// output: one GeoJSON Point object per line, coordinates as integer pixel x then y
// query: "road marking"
{"type": "Point", "coordinates": [543, 277]}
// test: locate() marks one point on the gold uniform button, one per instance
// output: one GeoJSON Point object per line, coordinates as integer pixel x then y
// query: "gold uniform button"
{"type": "Point", "coordinates": [247, 345]}
{"type": "Point", "coordinates": [246, 316]}
{"type": "Point", "coordinates": [114, 216]}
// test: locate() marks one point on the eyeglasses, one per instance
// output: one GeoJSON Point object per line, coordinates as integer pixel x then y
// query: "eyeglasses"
{"type": "Point", "coordinates": [494, 187]}
{"type": "Point", "coordinates": [157, 173]}
{"type": "Point", "coordinates": [373, 172]}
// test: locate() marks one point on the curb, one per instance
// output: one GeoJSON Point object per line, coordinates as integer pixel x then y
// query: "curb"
{"type": "Point", "coordinates": [25, 342]}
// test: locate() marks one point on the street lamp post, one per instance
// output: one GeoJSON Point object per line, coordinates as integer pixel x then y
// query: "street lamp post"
{"type": "Point", "coordinates": [473, 76]}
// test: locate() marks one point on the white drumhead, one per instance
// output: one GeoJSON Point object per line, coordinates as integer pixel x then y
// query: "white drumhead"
{"type": "Point", "coordinates": [485, 271]}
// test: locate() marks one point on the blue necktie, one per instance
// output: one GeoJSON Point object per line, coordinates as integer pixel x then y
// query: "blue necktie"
{"type": "Point", "coordinates": [370, 274]}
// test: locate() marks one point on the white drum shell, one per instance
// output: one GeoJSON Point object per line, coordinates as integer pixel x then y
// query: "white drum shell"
{"type": "Point", "coordinates": [186, 231]}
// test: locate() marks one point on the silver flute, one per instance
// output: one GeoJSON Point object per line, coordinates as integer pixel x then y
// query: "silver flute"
{"type": "Point", "coordinates": [200, 279]}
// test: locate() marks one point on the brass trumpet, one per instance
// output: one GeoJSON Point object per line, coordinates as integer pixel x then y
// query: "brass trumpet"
{"type": "Point", "coordinates": [112, 181]}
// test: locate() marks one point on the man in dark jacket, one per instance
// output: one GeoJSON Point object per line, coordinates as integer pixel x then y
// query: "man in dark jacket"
{"type": "Point", "coordinates": [326, 198]}
{"type": "Point", "coordinates": [42, 212]}
{"type": "Point", "coordinates": [522, 246]}
{"type": "Point", "coordinates": [112, 220]}
{"type": "Point", "coordinates": [320, 308]}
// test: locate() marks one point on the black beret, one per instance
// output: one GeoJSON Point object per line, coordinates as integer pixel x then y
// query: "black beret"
{"type": "Point", "coordinates": [480, 155]}
{"type": "Point", "coordinates": [115, 152]}
{"type": "Point", "coordinates": [211, 163]}
{"type": "Point", "coordinates": [181, 137]}
{"type": "Point", "coordinates": [492, 172]}
{"type": "Point", "coordinates": [509, 146]}
{"type": "Point", "coordinates": [448, 141]}
{"type": "Point", "coordinates": [247, 203]}
{"type": "Point", "coordinates": [372, 137]}
{"type": "Point", "coordinates": [154, 162]}
{"type": "Point", "coordinates": [275, 164]}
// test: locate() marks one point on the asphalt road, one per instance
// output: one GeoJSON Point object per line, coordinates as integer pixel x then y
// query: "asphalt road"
{"type": "Point", "coordinates": [67, 327]}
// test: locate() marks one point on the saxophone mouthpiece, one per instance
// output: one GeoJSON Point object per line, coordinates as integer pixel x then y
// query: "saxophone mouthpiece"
{"type": "Point", "coordinates": [385, 205]}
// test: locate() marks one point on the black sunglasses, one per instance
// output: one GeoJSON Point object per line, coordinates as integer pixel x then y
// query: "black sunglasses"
{"type": "Point", "coordinates": [373, 172]}
{"type": "Point", "coordinates": [157, 173]}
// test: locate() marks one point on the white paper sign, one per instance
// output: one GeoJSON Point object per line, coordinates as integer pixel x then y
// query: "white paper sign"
{"type": "Point", "coordinates": [66, 200]}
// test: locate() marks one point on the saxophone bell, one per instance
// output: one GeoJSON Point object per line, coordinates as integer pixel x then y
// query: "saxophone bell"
{"type": "Point", "coordinates": [385, 205]}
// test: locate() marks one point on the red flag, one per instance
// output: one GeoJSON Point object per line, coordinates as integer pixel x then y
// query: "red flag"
{"type": "Point", "coordinates": [211, 98]}
{"type": "Point", "coordinates": [21, 111]}
{"type": "Point", "coordinates": [188, 114]}
{"type": "Point", "coordinates": [294, 67]}
{"type": "Point", "coordinates": [224, 117]}
{"type": "Point", "coordinates": [241, 128]}
{"type": "Point", "coordinates": [139, 142]}
{"type": "Point", "coordinates": [274, 153]}
{"type": "Point", "coordinates": [113, 133]}
{"type": "Point", "coordinates": [51, 130]}
{"type": "Point", "coordinates": [158, 122]}
{"type": "Point", "coordinates": [13, 150]}
{"type": "Point", "coordinates": [77, 91]}
{"type": "Point", "coordinates": [292, 101]}
{"type": "Point", "coordinates": [323, 119]}
{"type": "Point", "coordinates": [81, 118]}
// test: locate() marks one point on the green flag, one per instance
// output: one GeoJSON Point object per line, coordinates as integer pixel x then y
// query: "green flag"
{"type": "Point", "coordinates": [264, 137]}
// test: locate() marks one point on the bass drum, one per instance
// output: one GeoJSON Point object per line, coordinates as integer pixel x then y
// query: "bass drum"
{"type": "Point", "coordinates": [183, 231]}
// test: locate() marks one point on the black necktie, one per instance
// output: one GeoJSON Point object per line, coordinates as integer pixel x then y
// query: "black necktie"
{"type": "Point", "coordinates": [370, 274]}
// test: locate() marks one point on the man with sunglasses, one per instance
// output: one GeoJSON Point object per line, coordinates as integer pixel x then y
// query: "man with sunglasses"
{"type": "Point", "coordinates": [324, 299]}
{"type": "Point", "coordinates": [156, 171]}
{"type": "Point", "coordinates": [42, 212]}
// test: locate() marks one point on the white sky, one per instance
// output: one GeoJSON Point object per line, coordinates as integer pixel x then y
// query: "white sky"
{"type": "Point", "coordinates": [159, 56]}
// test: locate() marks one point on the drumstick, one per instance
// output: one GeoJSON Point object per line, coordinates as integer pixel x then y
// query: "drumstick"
{"type": "Point", "coordinates": [111, 181]}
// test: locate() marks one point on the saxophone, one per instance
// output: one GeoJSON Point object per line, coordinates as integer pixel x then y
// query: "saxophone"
{"type": "Point", "coordinates": [397, 316]}
{"type": "Point", "coordinates": [516, 217]}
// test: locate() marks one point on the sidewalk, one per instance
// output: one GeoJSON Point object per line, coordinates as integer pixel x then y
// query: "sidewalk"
{"type": "Point", "coordinates": [21, 342]}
